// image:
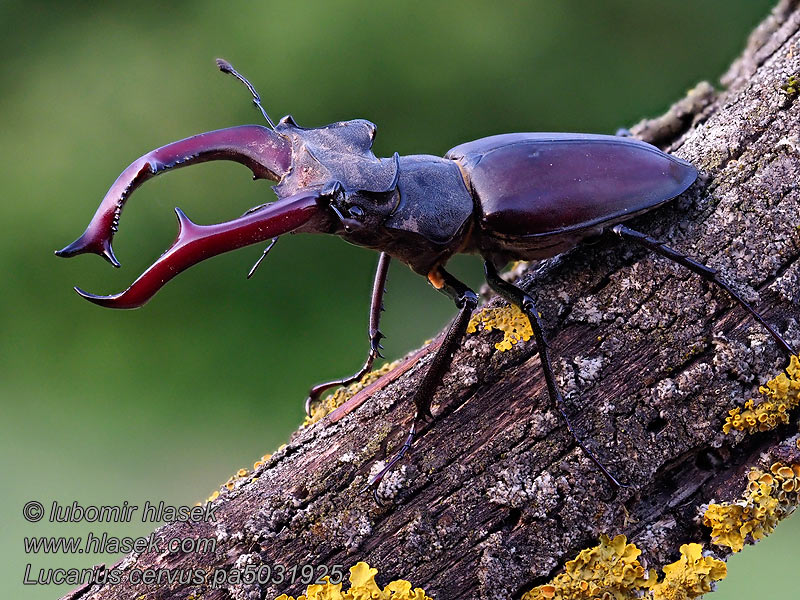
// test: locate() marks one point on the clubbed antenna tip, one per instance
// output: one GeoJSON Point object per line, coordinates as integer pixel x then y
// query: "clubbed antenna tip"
{"type": "Point", "coordinates": [227, 67]}
{"type": "Point", "coordinates": [224, 65]}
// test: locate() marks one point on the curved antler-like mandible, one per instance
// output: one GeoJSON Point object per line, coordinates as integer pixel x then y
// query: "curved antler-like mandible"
{"type": "Point", "coordinates": [198, 242]}
{"type": "Point", "coordinates": [266, 153]}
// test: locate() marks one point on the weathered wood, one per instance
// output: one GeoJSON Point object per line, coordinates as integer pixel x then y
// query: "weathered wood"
{"type": "Point", "coordinates": [495, 496]}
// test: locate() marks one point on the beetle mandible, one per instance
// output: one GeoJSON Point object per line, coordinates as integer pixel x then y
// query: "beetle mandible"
{"type": "Point", "coordinates": [517, 196]}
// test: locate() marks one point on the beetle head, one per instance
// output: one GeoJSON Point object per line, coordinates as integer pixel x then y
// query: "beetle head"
{"type": "Point", "coordinates": [362, 213]}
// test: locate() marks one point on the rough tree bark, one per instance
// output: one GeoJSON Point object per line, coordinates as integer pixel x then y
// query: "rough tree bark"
{"type": "Point", "coordinates": [496, 496]}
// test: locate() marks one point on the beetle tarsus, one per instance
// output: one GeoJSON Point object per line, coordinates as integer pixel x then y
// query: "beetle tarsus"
{"type": "Point", "coordinates": [376, 480]}
{"type": "Point", "coordinates": [704, 271]}
{"type": "Point", "coordinates": [517, 296]}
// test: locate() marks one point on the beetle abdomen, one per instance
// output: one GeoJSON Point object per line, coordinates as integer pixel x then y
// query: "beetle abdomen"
{"type": "Point", "coordinates": [557, 184]}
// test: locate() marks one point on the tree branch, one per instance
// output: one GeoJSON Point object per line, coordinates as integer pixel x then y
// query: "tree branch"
{"type": "Point", "coordinates": [495, 496]}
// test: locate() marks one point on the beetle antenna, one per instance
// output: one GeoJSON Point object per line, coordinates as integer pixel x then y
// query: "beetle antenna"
{"type": "Point", "coordinates": [227, 67]}
{"type": "Point", "coordinates": [262, 257]}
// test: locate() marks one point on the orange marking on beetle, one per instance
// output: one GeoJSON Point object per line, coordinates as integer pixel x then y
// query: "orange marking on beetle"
{"type": "Point", "coordinates": [435, 277]}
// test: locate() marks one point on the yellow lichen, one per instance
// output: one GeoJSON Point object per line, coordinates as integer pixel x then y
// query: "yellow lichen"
{"type": "Point", "coordinates": [343, 394]}
{"type": "Point", "coordinates": [509, 319]}
{"type": "Point", "coordinates": [362, 587]}
{"type": "Point", "coordinates": [769, 497]}
{"type": "Point", "coordinates": [333, 401]}
{"type": "Point", "coordinates": [240, 475]}
{"type": "Point", "coordinates": [612, 571]}
{"type": "Point", "coordinates": [781, 395]}
{"type": "Point", "coordinates": [690, 576]}
{"type": "Point", "coordinates": [791, 86]}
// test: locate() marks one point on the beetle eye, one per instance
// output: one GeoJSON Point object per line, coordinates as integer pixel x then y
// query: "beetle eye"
{"type": "Point", "coordinates": [356, 212]}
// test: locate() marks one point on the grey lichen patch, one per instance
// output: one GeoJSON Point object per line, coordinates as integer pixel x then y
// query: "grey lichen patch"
{"type": "Point", "coordinates": [542, 422]}
{"type": "Point", "coordinates": [695, 378]}
{"type": "Point", "coordinates": [500, 565]}
{"type": "Point", "coordinates": [645, 303]}
{"type": "Point", "coordinates": [586, 310]}
{"type": "Point", "coordinates": [393, 483]}
{"type": "Point", "coordinates": [665, 392]}
{"type": "Point", "coordinates": [588, 369]}
{"type": "Point", "coordinates": [425, 538]}
{"type": "Point", "coordinates": [687, 383]}
{"type": "Point", "coordinates": [747, 363]}
{"type": "Point", "coordinates": [241, 590]}
{"type": "Point", "coordinates": [792, 333]}
{"type": "Point", "coordinates": [221, 533]}
{"type": "Point", "coordinates": [580, 373]}
{"type": "Point", "coordinates": [787, 286]}
{"type": "Point", "coordinates": [270, 520]}
{"type": "Point", "coordinates": [789, 144]}
{"type": "Point", "coordinates": [463, 375]}
{"type": "Point", "coordinates": [517, 487]}
{"type": "Point", "coordinates": [566, 379]}
{"type": "Point", "coordinates": [354, 527]}
{"type": "Point", "coordinates": [655, 538]}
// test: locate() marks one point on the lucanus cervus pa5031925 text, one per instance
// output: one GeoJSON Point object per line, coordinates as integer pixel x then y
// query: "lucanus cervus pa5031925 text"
{"type": "Point", "coordinates": [518, 196]}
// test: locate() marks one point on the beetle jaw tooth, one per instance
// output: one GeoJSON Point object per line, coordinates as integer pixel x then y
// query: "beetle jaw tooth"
{"type": "Point", "coordinates": [88, 243]}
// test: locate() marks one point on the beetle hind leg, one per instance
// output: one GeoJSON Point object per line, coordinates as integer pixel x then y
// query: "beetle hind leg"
{"type": "Point", "coordinates": [704, 271]}
{"type": "Point", "coordinates": [518, 297]}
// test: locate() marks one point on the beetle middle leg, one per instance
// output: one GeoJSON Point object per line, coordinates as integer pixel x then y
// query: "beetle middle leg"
{"type": "Point", "coordinates": [375, 336]}
{"type": "Point", "coordinates": [466, 300]}
{"type": "Point", "coordinates": [704, 271]}
{"type": "Point", "coordinates": [517, 296]}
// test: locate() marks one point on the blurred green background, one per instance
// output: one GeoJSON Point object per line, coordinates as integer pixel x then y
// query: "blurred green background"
{"type": "Point", "coordinates": [165, 402]}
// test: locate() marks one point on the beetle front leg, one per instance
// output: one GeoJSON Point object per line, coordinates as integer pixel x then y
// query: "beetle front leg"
{"type": "Point", "coordinates": [518, 297]}
{"type": "Point", "coordinates": [375, 335]}
{"type": "Point", "coordinates": [466, 300]}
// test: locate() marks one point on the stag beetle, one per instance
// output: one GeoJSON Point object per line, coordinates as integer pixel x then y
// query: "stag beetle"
{"type": "Point", "coordinates": [516, 196]}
